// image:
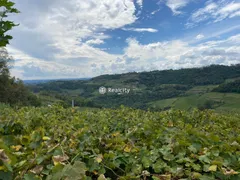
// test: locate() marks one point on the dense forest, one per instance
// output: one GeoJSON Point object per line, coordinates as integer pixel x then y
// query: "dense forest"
{"type": "Point", "coordinates": [214, 74]}
{"type": "Point", "coordinates": [230, 87]}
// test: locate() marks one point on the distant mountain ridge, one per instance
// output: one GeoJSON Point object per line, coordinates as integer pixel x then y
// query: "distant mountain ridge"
{"type": "Point", "coordinates": [213, 74]}
{"type": "Point", "coordinates": [39, 81]}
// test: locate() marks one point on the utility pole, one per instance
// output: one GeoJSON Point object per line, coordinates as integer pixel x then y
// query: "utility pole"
{"type": "Point", "coordinates": [72, 103]}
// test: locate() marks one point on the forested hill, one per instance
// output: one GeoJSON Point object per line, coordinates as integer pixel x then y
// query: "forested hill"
{"type": "Point", "coordinates": [146, 88]}
{"type": "Point", "coordinates": [214, 74]}
{"type": "Point", "coordinates": [231, 87]}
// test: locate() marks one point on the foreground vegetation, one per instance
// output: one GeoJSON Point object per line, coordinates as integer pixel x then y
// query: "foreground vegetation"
{"type": "Point", "coordinates": [57, 143]}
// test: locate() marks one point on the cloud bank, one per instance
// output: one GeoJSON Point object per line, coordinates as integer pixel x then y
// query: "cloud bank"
{"type": "Point", "coordinates": [66, 39]}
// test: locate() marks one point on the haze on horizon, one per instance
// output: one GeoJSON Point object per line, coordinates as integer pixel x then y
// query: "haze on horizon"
{"type": "Point", "coordinates": [77, 39]}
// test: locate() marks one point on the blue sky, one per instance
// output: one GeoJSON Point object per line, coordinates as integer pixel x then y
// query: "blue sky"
{"type": "Point", "coordinates": [76, 38]}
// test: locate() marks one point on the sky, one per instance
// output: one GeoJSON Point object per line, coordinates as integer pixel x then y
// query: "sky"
{"type": "Point", "coordinates": [86, 38]}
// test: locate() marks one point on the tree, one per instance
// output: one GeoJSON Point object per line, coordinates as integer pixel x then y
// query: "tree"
{"type": "Point", "coordinates": [12, 91]}
{"type": "Point", "coordinates": [6, 7]}
{"type": "Point", "coordinates": [208, 104]}
{"type": "Point", "coordinates": [5, 62]}
{"type": "Point", "coordinates": [4, 73]}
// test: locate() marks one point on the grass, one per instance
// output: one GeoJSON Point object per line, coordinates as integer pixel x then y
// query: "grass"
{"type": "Point", "coordinates": [47, 99]}
{"type": "Point", "coordinates": [186, 103]}
{"type": "Point", "coordinates": [231, 103]}
{"type": "Point", "coordinates": [200, 89]}
{"type": "Point", "coordinates": [163, 103]}
{"type": "Point", "coordinates": [225, 102]}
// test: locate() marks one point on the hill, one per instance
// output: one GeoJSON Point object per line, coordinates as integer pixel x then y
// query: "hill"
{"type": "Point", "coordinates": [39, 81]}
{"type": "Point", "coordinates": [153, 90]}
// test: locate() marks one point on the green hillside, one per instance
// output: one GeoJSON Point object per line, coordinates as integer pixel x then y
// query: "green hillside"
{"type": "Point", "coordinates": [227, 102]}
{"type": "Point", "coordinates": [157, 90]}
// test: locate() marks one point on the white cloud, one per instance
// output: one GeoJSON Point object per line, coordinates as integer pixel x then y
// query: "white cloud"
{"type": "Point", "coordinates": [95, 41]}
{"type": "Point", "coordinates": [141, 29]}
{"type": "Point", "coordinates": [237, 13]}
{"type": "Point", "coordinates": [214, 12]}
{"type": "Point", "coordinates": [200, 36]}
{"type": "Point", "coordinates": [140, 3]}
{"type": "Point", "coordinates": [28, 67]}
{"type": "Point", "coordinates": [175, 5]}
{"type": "Point", "coordinates": [212, 33]}
{"type": "Point", "coordinates": [74, 19]}
{"type": "Point", "coordinates": [154, 12]}
{"type": "Point", "coordinates": [179, 54]}
{"type": "Point", "coordinates": [63, 33]}
{"type": "Point", "coordinates": [137, 57]}
{"type": "Point", "coordinates": [231, 7]}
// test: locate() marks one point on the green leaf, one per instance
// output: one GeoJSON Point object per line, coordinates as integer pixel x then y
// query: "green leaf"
{"type": "Point", "coordinates": [204, 159]}
{"type": "Point", "coordinates": [57, 168]}
{"type": "Point", "coordinates": [146, 162]}
{"type": "Point", "coordinates": [30, 176]}
{"type": "Point", "coordinates": [77, 171]}
{"type": "Point", "coordinates": [137, 169]}
{"type": "Point", "coordinates": [159, 166]}
{"type": "Point", "coordinates": [213, 168]}
{"type": "Point", "coordinates": [207, 177]}
{"type": "Point", "coordinates": [196, 175]}
{"type": "Point", "coordinates": [192, 149]}
{"type": "Point", "coordinates": [101, 177]}
{"type": "Point", "coordinates": [196, 167]}
{"type": "Point", "coordinates": [6, 175]}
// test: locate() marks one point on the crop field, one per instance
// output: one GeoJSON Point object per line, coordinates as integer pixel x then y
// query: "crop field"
{"type": "Point", "coordinates": [226, 102]}
{"type": "Point", "coordinates": [57, 143]}
{"type": "Point", "coordinates": [200, 89]}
